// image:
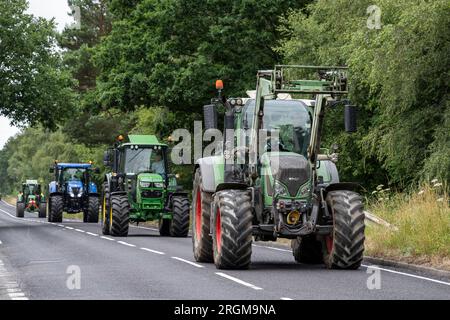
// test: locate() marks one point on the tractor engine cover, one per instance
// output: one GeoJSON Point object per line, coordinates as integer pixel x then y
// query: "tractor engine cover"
{"type": "Point", "coordinates": [293, 170]}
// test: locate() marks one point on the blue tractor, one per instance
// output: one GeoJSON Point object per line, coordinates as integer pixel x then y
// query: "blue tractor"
{"type": "Point", "coordinates": [72, 191]}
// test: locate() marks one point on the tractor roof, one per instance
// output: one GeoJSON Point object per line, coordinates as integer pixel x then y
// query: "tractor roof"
{"type": "Point", "coordinates": [31, 182]}
{"type": "Point", "coordinates": [74, 165]}
{"type": "Point", "coordinates": [138, 139]}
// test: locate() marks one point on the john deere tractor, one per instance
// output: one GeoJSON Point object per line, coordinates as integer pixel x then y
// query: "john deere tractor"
{"type": "Point", "coordinates": [72, 191]}
{"type": "Point", "coordinates": [31, 199]}
{"type": "Point", "coordinates": [140, 188]}
{"type": "Point", "coordinates": [271, 179]}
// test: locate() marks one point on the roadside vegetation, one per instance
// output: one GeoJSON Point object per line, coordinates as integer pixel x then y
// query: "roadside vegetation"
{"type": "Point", "coordinates": [420, 226]}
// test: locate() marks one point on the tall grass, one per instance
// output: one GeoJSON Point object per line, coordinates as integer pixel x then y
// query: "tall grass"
{"type": "Point", "coordinates": [423, 221]}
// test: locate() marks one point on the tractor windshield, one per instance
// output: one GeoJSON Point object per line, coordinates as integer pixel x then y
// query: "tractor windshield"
{"type": "Point", "coordinates": [290, 118]}
{"type": "Point", "coordinates": [144, 160]}
{"type": "Point", "coordinates": [70, 174]}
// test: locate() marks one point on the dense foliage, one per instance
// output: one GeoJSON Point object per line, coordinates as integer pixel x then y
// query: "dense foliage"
{"type": "Point", "coordinates": [147, 66]}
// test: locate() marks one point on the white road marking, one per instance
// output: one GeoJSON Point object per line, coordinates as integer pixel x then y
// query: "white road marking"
{"type": "Point", "coordinates": [16, 294]}
{"type": "Point", "coordinates": [189, 262]}
{"type": "Point", "coordinates": [153, 251]}
{"type": "Point", "coordinates": [70, 228]}
{"type": "Point", "coordinates": [147, 228]}
{"type": "Point", "coordinates": [79, 230]}
{"type": "Point", "coordinates": [107, 238]}
{"type": "Point", "coordinates": [285, 298]}
{"type": "Point", "coordinates": [238, 281]}
{"type": "Point", "coordinates": [8, 204]}
{"type": "Point", "coordinates": [126, 243]}
{"type": "Point", "coordinates": [407, 274]}
{"type": "Point", "coordinates": [19, 298]}
{"type": "Point", "coordinates": [7, 282]}
{"type": "Point", "coordinates": [1, 242]}
{"type": "Point", "coordinates": [61, 225]}
{"type": "Point", "coordinates": [92, 234]}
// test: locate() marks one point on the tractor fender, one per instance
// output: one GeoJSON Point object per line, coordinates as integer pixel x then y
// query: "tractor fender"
{"type": "Point", "coordinates": [351, 186]}
{"type": "Point", "coordinates": [332, 170]}
{"type": "Point", "coordinates": [93, 194]}
{"type": "Point", "coordinates": [206, 166]}
{"type": "Point", "coordinates": [52, 187]}
{"type": "Point", "coordinates": [119, 193]}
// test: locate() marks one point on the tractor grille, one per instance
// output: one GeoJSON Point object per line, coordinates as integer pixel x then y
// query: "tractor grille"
{"type": "Point", "coordinates": [151, 194]}
{"type": "Point", "coordinates": [293, 171]}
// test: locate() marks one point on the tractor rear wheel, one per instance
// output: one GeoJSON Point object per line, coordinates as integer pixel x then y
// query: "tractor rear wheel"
{"type": "Point", "coordinates": [201, 220]}
{"type": "Point", "coordinates": [20, 209]}
{"type": "Point", "coordinates": [42, 210]}
{"type": "Point", "coordinates": [91, 214]}
{"type": "Point", "coordinates": [55, 209]}
{"type": "Point", "coordinates": [232, 232]}
{"type": "Point", "coordinates": [106, 211]}
{"type": "Point", "coordinates": [344, 248]}
{"type": "Point", "coordinates": [180, 219]}
{"type": "Point", "coordinates": [120, 215]}
{"type": "Point", "coordinates": [164, 227]}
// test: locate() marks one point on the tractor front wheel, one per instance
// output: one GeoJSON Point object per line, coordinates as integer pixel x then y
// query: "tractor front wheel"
{"type": "Point", "coordinates": [120, 217]}
{"type": "Point", "coordinates": [91, 214]}
{"type": "Point", "coordinates": [42, 210]}
{"type": "Point", "coordinates": [307, 250]}
{"type": "Point", "coordinates": [343, 249]}
{"type": "Point", "coordinates": [180, 219]}
{"type": "Point", "coordinates": [232, 230]}
{"type": "Point", "coordinates": [20, 209]}
{"type": "Point", "coordinates": [55, 209]}
{"type": "Point", "coordinates": [201, 220]}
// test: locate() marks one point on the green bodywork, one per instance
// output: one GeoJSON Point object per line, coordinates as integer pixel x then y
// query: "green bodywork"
{"type": "Point", "coordinates": [31, 195]}
{"type": "Point", "coordinates": [139, 184]}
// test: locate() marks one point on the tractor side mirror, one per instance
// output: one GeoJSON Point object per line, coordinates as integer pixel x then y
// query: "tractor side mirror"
{"type": "Point", "coordinates": [350, 113]}
{"type": "Point", "coordinates": [106, 159]}
{"type": "Point", "coordinates": [210, 116]}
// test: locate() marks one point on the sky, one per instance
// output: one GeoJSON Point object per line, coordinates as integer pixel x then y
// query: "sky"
{"type": "Point", "coordinates": [57, 9]}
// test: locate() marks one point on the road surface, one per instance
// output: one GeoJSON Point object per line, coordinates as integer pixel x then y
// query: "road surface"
{"type": "Point", "coordinates": [72, 260]}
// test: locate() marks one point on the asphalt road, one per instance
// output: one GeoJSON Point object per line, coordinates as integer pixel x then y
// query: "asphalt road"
{"type": "Point", "coordinates": [40, 260]}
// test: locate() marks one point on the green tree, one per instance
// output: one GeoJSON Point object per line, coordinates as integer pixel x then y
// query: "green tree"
{"type": "Point", "coordinates": [34, 86]}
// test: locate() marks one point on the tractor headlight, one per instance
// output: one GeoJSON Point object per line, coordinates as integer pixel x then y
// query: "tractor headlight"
{"type": "Point", "coordinates": [280, 189]}
{"type": "Point", "coordinates": [159, 184]}
{"type": "Point", "coordinates": [145, 184]}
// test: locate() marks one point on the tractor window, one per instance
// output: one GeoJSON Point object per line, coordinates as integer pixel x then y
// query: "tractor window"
{"type": "Point", "coordinates": [290, 117]}
{"type": "Point", "coordinates": [70, 174]}
{"type": "Point", "coordinates": [144, 160]}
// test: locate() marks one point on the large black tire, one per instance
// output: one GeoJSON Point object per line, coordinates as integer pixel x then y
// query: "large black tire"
{"type": "Point", "coordinates": [307, 250]}
{"type": "Point", "coordinates": [201, 220]}
{"type": "Point", "coordinates": [42, 210]}
{"type": "Point", "coordinates": [120, 215]}
{"type": "Point", "coordinates": [20, 209]}
{"type": "Point", "coordinates": [164, 227]}
{"type": "Point", "coordinates": [106, 211]}
{"type": "Point", "coordinates": [55, 210]}
{"type": "Point", "coordinates": [232, 230]}
{"type": "Point", "coordinates": [344, 248]}
{"type": "Point", "coordinates": [180, 219]}
{"type": "Point", "coordinates": [91, 214]}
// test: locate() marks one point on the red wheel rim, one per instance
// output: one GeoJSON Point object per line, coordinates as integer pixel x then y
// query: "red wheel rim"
{"type": "Point", "coordinates": [218, 231]}
{"type": "Point", "coordinates": [198, 214]}
{"type": "Point", "coordinates": [329, 243]}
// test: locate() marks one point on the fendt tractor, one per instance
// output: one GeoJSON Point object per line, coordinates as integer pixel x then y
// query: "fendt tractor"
{"type": "Point", "coordinates": [140, 188]}
{"type": "Point", "coordinates": [270, 179]}
{"type": "Point", "coordinates": [72, 191]}
{"type": "Point", "coordinates": [31, 199]}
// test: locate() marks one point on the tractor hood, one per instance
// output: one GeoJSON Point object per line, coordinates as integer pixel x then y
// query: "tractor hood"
{"type": "Point", "coordinates": [74, 187]}
{"type": "Point", "coordinates": [150, 177]}
{"type": "Point", "coordinates": [290, 169]}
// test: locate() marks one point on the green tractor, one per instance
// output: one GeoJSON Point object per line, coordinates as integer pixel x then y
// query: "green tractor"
{"type": "Point", "coordinates": [271, 179]}
{"type": "Point", "coordinates": [31, 199]}
{"type": "Point", "coordinates": [140, 188]}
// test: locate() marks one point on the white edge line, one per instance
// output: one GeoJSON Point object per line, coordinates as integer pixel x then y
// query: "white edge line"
{"type": "Point", "coordinates": [238, 281]}
{"type": "Point", "coordinates": [286, 298]}
{"type": "Point", "coordinates": [8, 204]}
{"type": "Point", "coordinates": [153, 251]}
{"type": "Point", "coordinates": [92, 234]}
{"type": "Point", "coordinates": [272, 248]}
{"type": "Point", "coordinates": [407, 274]}
{"type": "Point", "coordinates": [189, 262]}
{"type": "Point", "coordinates": [79, 230]}
{"type": "Point", "coordinates": [70, 228]}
